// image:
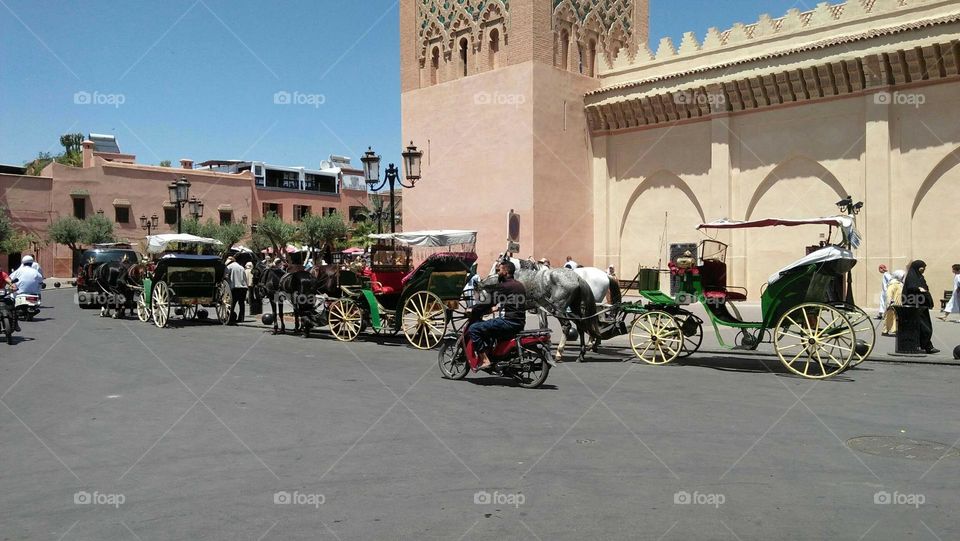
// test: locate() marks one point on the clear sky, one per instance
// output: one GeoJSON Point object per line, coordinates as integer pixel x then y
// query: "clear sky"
{"type": "Point", "coordinates": [197, 78]}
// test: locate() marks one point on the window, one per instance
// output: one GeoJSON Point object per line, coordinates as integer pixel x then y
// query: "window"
{"type": "Point", "coordinates": [80, 208]}
{"type": "Point", "coordinates": [564, 49]}
{"type": "Point", "coordinates": [170, 215]}
{"type": "Point", "coordinates": [226, 217]}
{"type": "Point", "coordinates": [283, 179]}
{"type": "Point", "coordinates": [463, 56]}
{"type": "Point", "coordinates": [275, 208]}
{"type": "Point", "coordinates": [327, 211]}
{"type": "Point", "coordinates": [494, 49]}
{"type": "Point", "coordinates": [320, 183]}
{"type": "Point", "coordinates": [434, 65]}
{"type": "Point", "coordinates": [122, 214]}
{"type": "Point", "coordinates": [300, 211]}
{"type": "Point", "coordinates": [591, 58]}
{"type": "Point", "coordinates": [357, 214]}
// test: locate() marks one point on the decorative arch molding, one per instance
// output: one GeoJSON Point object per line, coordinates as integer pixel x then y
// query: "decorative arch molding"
{"type": "Point", "coordinates": [449, 20]}
{"type": "Point", "coordinates": [608, 22]}
{"type": "Point", "coordinates": [816, 170]}
{"type": "Point", "coordinates": [950, 161]}
{"type": "Point", "coordinates": [661, 179]}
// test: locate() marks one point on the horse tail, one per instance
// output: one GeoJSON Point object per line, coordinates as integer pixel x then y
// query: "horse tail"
{"type": "Point", "coordinates": [591, 325]}
{"type": "Point", "coordinates": [616, 296]}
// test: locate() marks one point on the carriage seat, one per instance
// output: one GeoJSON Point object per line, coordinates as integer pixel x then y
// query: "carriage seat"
{"type": "Point", "coordinates": [384, 283]}
{"type": "Point", "coordinates": [713, 278]}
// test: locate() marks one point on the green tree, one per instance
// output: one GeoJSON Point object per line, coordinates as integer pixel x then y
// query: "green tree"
{"type": "Point", "coordinates": [316, 232]}
{"type": "Point", "coordinates": [72, 143]}
{"type": "Point", "coordinates": [68, 231]}
{"type": "Point", "coordinates": [35, 166]}
{"type": "Point", "coordinates": [191, 226]}
{"type": "Point", "coordinates": [97, 229]}
{"type": "Point", "coordinates": [165, 163]}
{"type": "Point", "coordinates": [229, 234]}
{"type": "Point", "coordinates": [359, 234]}
{"type": "Point", "coordinates": [275, 233]}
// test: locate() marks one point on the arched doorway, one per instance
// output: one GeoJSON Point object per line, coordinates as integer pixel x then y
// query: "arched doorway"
{"type": "Point", "coordinates": [930, 233]}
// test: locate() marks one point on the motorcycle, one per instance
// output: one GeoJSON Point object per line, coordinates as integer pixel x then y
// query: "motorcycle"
{"type": "Point", "coordinates": [524, 357]}
{"type": "Point", "coordinates": [6, 314]}
{"type": "Point", "coordinates": [27, 306]}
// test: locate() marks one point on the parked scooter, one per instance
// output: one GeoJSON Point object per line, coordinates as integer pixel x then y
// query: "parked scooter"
{"type": "Point", "coordinates": [525, 357]}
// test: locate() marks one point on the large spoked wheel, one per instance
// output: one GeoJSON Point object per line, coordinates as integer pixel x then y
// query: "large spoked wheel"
{"type": "Point", "coordinates": [452, 359]}
{"type": "Point", "coordinates": [190, 311]}
{"type": "Point", "coordinates": [346, 320]}
{"type": "Point", "coordinates": [815, 341]}
{"type": "Point", "coordinates": [143, 312]}
{"type": "Point", "coordinates": [534, 368]}
{"type": "Point", "coordinates": [656, 337]}
{"type": "Point", "coordinates": [160, 304]}
{"type": "Point", "coordinates": [223, 299]}
{"type": "Point", "coordinates": [691, 327]}
{"type": "Point", "coordinates": [424, 320]}
{"type": "Point", "coordinates": [864, 328]}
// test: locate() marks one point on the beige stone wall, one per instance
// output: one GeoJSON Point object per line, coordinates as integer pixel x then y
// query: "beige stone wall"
{"type": "Point", "coordinates": [902, 160]}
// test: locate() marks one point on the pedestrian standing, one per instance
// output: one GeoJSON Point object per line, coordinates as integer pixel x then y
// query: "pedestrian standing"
{"type": "Point", "coordinates": [916, 330]}
{"type": "Point", "coordinates": [894, 298]}
{"type": "Point", "coordinates": [953, 307]}
{"type": "Point", "coordinates": [885, 282]}
{"type": "Point", "coordinates": [237, 277]}
{"type": "Point", "coordinates": [571, 264]}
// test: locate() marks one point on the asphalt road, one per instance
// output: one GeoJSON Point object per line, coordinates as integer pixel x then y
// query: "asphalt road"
{"type": "Point", "coordinates": [119, 430]}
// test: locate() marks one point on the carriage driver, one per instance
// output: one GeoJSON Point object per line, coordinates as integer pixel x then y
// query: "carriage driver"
{"type": "Point", "coordinates": [510, 295]}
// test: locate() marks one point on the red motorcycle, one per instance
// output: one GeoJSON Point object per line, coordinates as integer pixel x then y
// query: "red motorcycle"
{"type": "Point", "coordinates": [525, 357]}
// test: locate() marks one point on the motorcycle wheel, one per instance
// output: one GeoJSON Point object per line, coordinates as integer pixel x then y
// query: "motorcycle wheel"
{"type": "Point", "coordinates": [534, 368]}
{"type": "Point", "coordinates": [452, 359]}
{"type": "Point", "coordinates": [8, 329]}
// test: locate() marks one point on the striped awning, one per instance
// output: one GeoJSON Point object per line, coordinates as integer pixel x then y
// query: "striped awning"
{"type": "Point", "coordinates": [121, 202]}
{"type": "Point", "coordinates": [225, 207]}
{"type": "Point", "coordinates": [80, 193]}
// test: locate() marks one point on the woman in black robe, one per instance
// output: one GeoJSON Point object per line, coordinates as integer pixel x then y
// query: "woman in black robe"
{"type": "Point", "coordinates": [917, 302]}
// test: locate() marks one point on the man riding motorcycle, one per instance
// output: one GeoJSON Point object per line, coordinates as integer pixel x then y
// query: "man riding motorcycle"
{"type": "Point", "coordinates": [29, 279]}
{"type": "Point", "coordinates": [7, 283]}
{"type": "Point", "coordinates": [510, 296]}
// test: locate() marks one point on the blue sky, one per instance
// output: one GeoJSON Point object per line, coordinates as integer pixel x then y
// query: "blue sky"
{"type": "Point", "coordinates": [197, 78]}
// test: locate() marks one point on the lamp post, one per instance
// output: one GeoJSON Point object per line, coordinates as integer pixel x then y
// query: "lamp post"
{"type": "Point", "coordinates": [196, 208]}
{"type": "Point", "coordinates": [179, 192]}
{"type": "Point", "coordinates": [150, 223]}
{"type": "Point", "coordinates": [371, 173]}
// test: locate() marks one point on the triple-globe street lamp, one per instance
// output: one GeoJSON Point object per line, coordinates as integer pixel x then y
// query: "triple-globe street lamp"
{"type": "Point", "coordinates": [179, 192]}
{"type": "Point", "coordinates": [371, 173]}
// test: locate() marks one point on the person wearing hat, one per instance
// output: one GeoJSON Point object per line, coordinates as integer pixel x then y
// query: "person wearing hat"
{"type": "Point", "coordinates": [29, 280]}
{"type": "Point", "coordinates": [545, 262]}
{"type": "Point", "coordinates": [237, 277]}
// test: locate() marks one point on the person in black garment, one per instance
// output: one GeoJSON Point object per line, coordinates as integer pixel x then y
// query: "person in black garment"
{"type": "Point", "coordinates": [917, 302]}
{"type": "Point", "coordinates": [510, 295]}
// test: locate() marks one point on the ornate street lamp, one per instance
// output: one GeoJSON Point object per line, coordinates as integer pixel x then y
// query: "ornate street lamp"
{"type": "Point", "coordinates": [196, 208]}
{"type": "Point", "coordinates": [371, 172]}
{"type": "Point", "coordinates": [179, 193]}
{"type": "Point", "coordinates": [150, 223]}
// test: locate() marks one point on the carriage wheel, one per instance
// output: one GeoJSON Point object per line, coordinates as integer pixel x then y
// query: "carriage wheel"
{"type": "Point", "coordinates": [866, 332]}
{"type": "Point", "coordinates": [190, 311]}
{"type": "Point", "coordinates": [815, 340]}
{"type": "Point", "coordinates": [160, 304]}
{"type": "Point", "coordinates": [223, 300]}
{"type": "Point", "coordinates": [143, 311]}
{"type": "Point", "coordinates": [656, 337]}
{"type": "Point", "coordinates": [424, 320]}
{"type": "Point", "coordinates": [346, 320]}
{"type": "Point", "coordinates": [691, 327]}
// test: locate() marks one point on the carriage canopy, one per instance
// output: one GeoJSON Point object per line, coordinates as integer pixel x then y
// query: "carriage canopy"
{"type": "Point", "coordinates": [845, 223]}
{"type": "Point", "coordinates": [431, 238]}
{"type": "Point", "coordinates": [159, 243]}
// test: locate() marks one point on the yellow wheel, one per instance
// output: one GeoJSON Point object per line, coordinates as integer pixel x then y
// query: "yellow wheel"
{"type": "Point", "coordinates": [656, 337]}
{"type": "Point", "coordinates": [160, 304]}
{"type": "Point", "coordinates": [346, 319]}
{"type": "Point", "coordinates": [865, 330]}
{"type": "Point", "coordinates": [815, 340]}
{"type": "Point", "coordinates": [143, 311]}
{"type": "Point", "coordinates": [424, 320]}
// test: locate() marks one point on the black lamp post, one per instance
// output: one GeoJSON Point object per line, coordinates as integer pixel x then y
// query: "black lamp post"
{"type": "Point", "coordinates": [196, 208]}
{"type": "Point", "coordinates": [150, 223]}
{"type": "Point", "coordinates": [371, 172]}
{"type": "Point", "coordinates": [179, 193]}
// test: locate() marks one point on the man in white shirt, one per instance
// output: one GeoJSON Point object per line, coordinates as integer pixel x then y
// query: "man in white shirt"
{"type": "Point", "coordinates": [29, 280]}
{"type": "Point", "coordinates": [237, 277]}
{"type": "Point", "coordinates": [571, 264]}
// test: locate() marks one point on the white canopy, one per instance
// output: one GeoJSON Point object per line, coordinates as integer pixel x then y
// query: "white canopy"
{"type": "Point", "coordinates": [829, 253]}
{"type": "Point", "coordinates": [158, 243]}
{"type": "Point", "coordinates": [845, 223]}
{"type": "Point", "coordinates": [444, 237]}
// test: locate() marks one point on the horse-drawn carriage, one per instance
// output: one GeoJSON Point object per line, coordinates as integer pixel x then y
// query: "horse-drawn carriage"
{"type": "Point", "coordinates": [183, 282]}
{"type": "Point", "coordinates": [393, 295]}
{"type": "Point", "coordinates": [808, 311]}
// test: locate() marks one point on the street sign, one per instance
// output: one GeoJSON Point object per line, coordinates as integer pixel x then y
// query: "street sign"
{"type": "Point", "coordinates": [513, 232]}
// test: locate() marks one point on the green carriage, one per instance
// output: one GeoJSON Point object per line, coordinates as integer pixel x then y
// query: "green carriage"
{"type": "Point", "coordinates": [392, 295]}
{"type": "Point", "coordinates": [183, 282]}
{"type": "Point", "coordinates": [808, 310]}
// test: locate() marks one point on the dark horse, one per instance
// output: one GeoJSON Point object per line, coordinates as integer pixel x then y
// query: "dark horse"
{"type": "Point", "coordinates": [301, 288]}
{"type": "Point", "coordinates": [116, 280]}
